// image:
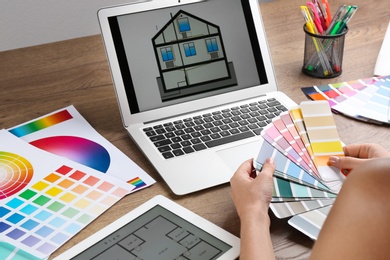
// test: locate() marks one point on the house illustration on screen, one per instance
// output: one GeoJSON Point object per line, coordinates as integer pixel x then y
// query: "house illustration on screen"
{"type": "Point", "coordinates": [191, 57]}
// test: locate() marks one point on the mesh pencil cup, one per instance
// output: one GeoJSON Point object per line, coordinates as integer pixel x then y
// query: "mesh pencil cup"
{"type": "Point", "coordinates": [323, 56]}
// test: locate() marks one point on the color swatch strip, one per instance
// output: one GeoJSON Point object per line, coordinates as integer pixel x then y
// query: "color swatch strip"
{"type": "Point", "coordinates": [311, 222]}
{"type": "Point", "coordinates": [272, 135]}
{"type": "Point", "coordinates": [295, 144]}
{"type": "Point", "coordinates": [44, 216]}
{"type": "Point", "coordinates": [324, 140]}
{"type": "Point", "coordinates": [288, 209]}
{"type": "Point", "coordinates": [285, 168]}
{"type": "Point", "coordinates": [297, 119]}
{"type": "Point", "coordinates": [287, 189]}
{"type": "Point", "coordinates": [41, 123]}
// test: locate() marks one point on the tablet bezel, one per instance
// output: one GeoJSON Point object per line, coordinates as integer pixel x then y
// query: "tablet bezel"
{"type": "Point", "coordinates": [169, 205]}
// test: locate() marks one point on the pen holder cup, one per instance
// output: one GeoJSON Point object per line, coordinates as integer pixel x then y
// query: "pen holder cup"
{"type": "Point", "coordinates": [323, 56]}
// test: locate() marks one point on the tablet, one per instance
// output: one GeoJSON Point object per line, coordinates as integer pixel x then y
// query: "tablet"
{"type": "Point", "coordinates": [158, 229]}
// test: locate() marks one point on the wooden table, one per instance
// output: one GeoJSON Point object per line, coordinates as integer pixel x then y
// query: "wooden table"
{"type": "Point", "coordinates": [37, 80]}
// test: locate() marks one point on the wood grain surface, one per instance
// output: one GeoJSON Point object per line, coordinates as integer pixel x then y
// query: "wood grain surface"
{"type": "Point", "coordinates": [37, 80]}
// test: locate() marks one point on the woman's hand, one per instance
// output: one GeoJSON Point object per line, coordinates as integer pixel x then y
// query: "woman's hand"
{"type": "Point", "coordinates": [356, 154]}
{"type": "Point", "coordinates": [252, 195]}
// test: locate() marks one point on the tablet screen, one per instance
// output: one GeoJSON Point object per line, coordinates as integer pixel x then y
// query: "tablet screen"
{"type": "Point", "coordinates": [157, 234]}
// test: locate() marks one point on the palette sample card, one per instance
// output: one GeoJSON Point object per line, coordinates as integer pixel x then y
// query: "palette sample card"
{"type": "Point", "coordinates": [300, 141]}
{"type": "Point", "coordinates": [324, 141]}
{"type": "Point", "coordinates": [285, 166]}
{"type": "Point", "coordinates": [295, 191]}
{"type": "Point", "coordinates": [364, 99]}
{"type": "Point", "coordinates": [66, 133]}
{"type": "Point", "coordinates": [311, 222]}
{"type": "Point", "coordinates": [47, 199]}
{"type": "Point", "coordinates": [287, 209]}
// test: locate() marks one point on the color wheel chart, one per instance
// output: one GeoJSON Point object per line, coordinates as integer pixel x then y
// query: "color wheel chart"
{"type": "Point", "coordinates": [15, 173]}
{"type": "Point", "coordinates": [300, 142]}
{"type": "Point", "coordinates": [364, 99]}
{"type": "Point", "coordinates": [44, 204]}
{"type": "Point", "coordinates": [66, 133]}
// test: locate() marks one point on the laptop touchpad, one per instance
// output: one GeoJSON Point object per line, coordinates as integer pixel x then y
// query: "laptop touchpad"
{"type": "Point", "coordinates": [233, 157]}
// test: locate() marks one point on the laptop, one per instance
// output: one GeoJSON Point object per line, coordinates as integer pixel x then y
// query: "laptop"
{"type": "Point", "coordinates": [185, 72]}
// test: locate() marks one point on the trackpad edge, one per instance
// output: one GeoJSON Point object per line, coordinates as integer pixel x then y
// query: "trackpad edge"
{"type": "Point", "coordinates": [234, 156]}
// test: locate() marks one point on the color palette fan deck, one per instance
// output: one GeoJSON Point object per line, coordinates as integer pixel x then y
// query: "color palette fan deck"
{"type": "Point", "coordinates": [363, 99]}
{"type": "Point", "coordinates": [300, 141]}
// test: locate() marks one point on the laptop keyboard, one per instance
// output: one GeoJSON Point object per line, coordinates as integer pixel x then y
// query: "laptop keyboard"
{"type": "Point", "coordinates": [209, 130]}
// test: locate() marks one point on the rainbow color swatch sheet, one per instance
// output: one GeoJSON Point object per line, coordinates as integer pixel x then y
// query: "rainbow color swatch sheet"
{"type": "Point", "coordinates": [66, 133]}
{"type": "Point", "coordinates": [300, 141]}
{"type": "Point", "coordinates": [364, 99]}
{"type": "Point", "coordinates": [46, 199]}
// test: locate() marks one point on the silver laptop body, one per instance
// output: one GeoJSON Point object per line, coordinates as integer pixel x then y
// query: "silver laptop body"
{"type": "Point", "coordinates": [173, 61]}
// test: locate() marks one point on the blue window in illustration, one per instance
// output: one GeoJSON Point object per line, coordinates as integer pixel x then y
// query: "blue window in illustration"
{"type": "Point", "coordinates": [184, 24]}
{"type": "Point", "coordinates": [212, 45]}
{"type": "Point", "coordinates": [167, 54]}
{"type": "Point", "coordinates": [189, 49]}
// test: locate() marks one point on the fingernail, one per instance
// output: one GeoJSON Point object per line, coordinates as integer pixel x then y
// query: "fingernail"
{"type": "Point", "coordinates": [345, 172]}
{"type": "Point", "coordinates": [270, 160]}
{"type": "Point", "coordinates": [333, 159]}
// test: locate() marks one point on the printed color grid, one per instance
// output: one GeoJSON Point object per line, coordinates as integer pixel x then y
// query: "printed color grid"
{"type": "Point", "coordinates": [44, 216]}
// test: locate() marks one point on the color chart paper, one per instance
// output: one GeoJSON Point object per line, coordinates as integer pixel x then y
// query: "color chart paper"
{"type": "Point", "coordinates": [378, 106]}
{"type": "Point", "coordinates": [364, 99]}
{"type": "Point", "coordinates": [66, 133]}
{"type": "Point", "coordinates": [47, 199]}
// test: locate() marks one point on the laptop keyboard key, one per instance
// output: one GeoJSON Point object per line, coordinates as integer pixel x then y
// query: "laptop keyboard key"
{"type": "Point", "coordinates": [185, 143]}
{"type": "Point", "coordinates": [199, 147]}
{"type": "Point", "coordinates": [157, 138]}
{"type": "Point", "coordinates": [162, 143]}
{"type": "Point", "coordinates": [188, 149]}
{"type": "Point", "coordinates": [164, 149]}
{"type": "Point", "coordinates": [167, 155]}
{"type": "Point", "coordinates": [178, 152]}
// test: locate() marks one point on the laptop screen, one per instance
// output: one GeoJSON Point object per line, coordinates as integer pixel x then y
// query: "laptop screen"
{"type": "Point", "coordinates": [177, 54]}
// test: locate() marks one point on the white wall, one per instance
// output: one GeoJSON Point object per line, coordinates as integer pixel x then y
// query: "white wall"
{"type": "Point", "coordinates": [26, 23]}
